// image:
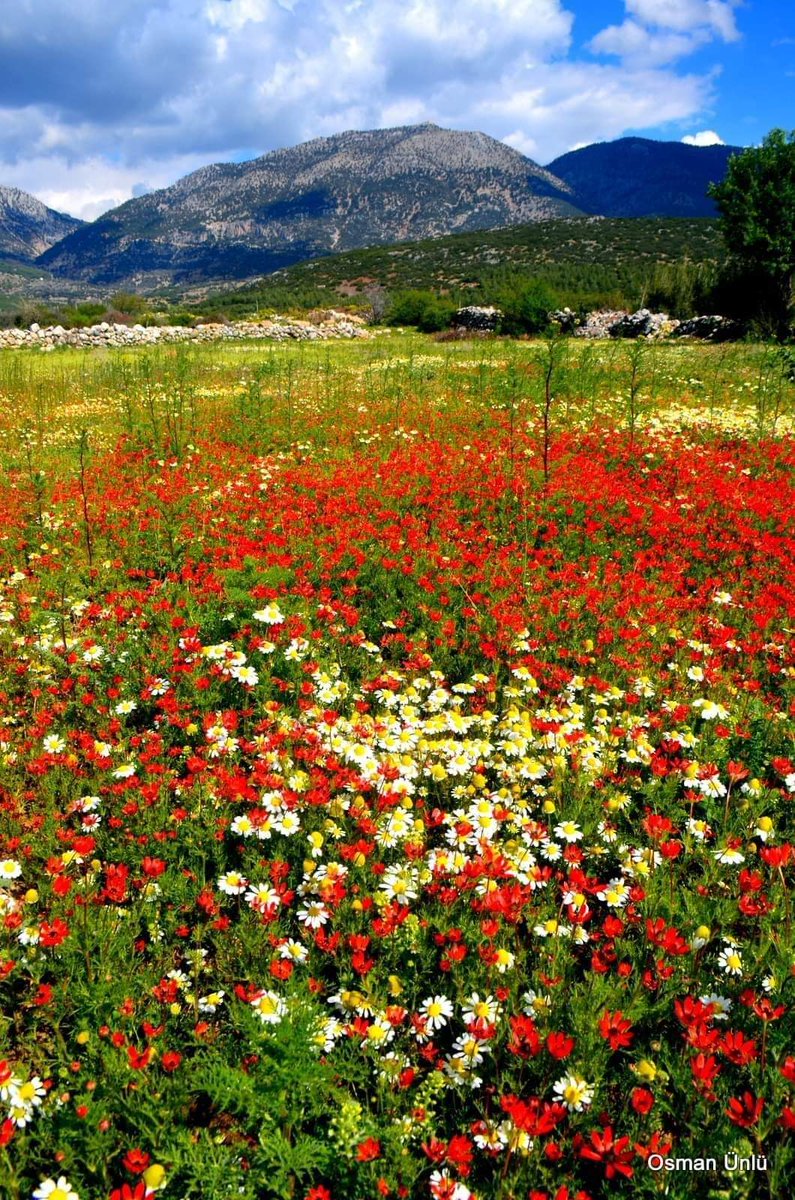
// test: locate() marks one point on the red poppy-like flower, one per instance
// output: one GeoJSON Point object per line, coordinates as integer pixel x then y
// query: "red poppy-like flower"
{"type": "Point", "coordinates": [559, 1045]}
{"type": "Point", "coordinates": [138, 1059]}
{"type": "Point", "coordinates": [616, 1029]}
{"type": "Point", "coordinates": [153, 867]}
{"type": "Point", "coordinates": [459, 1153]}
{"type": "Point", "coordinates": [127, 1192]}
{"type": "Point", "coordinates": [746, 1110]}
{"type": "Point", "coordinates": [737, 1048]}
{"type": "Point", "coordinates": [614, 1154]}
{"type": "Point", "coordinates": [642, 1100]}
{"type": "Point", "coordinates": [368, 1150]}
{"type": "Point", "coordinates": [136, 1161]}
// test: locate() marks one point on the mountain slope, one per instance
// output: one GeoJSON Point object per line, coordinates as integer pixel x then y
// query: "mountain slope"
{"type": "Point", "coordinates": [589, 260]}
{"type": "Point", "coordinates": [638, 177]}
{"type": "Point", "coordinates": [28, 227]}
{"type": "Point", "coordinates": [331, 194]}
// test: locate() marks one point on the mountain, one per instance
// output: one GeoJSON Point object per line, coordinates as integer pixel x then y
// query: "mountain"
{"type": "Point", "coordinates": [28, 227]}
{"type": "Point", "coordinates": [638, 177]}
{"type": "Point", "coordinates": [234, 220]}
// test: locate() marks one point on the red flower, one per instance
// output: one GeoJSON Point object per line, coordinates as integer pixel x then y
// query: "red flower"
{"type": "Point", "coordinates": [170, 1060]}
{"type": "Point", "coordinates": [615, 1155]}
{"type": "Point", "coordinates": [642, 1100]}
{"type": "Point", "coordinates": [534, 1117]}
{"type": "Point", "coordinates": [559, 1045]}
{"type": "Point", "coordinates": [138, 1059]}
{"type": "Point", "coordinates": [787, 1119]}
{"type": "Point", "coordinates": [136, 1161]}
{"type": "Point", "coordinates": [126, 1192]}
{"type": "Point", "coordinates": [787, 1068]}
{"type": "Point", "coordinates": [776, 856]}
{"type": "Point", "coordinates": [459, 1153]}
{"type": "Point", "coordinates": [746, 1111]}
{"type": "Point", "coordinates": [616, 1030]}
{"type": "Point", "coordinates": [705, 1068]}
{"type": "Point", "coordinates": [153, 867]}
{"type": "Point", "coordinates": [737, 1048]}
{"type": "Point", "coordinates": [525, 1041]}
{"type": "Point", "coordinates": [368, 1150]}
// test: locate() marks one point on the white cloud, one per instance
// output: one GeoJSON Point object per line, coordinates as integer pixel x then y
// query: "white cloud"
{"type": "Point", "coordinates": [107, 98]}
{"type": "Point", "coordinates": [706, 137]}
{"type": "Point", "coordinates": [89, 187]}
{"type": "Point", "coordinates": [641, 46]}
{"type": "Point", "coordinates": [687, 16]}
{"type": "Point", "coordinates": [571, 103]}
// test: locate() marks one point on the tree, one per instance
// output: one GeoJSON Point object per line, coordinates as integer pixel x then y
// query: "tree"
{"type": "Point", "coordinates": [525, 308]}
{"type": "Point", "coordinates": [756, 201]}
{"type": "Point", "coordinates": [425, 310]}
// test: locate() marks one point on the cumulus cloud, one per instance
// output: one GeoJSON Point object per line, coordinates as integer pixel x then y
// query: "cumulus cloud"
{"type": "Point", "coordinates": [655, 33]}
{"type": "Point", "coordinates": [687, 16]}
{"type": "Point", "coordinates": [105, 96]}
{"type": "Point", "coordinates": [706, 137]}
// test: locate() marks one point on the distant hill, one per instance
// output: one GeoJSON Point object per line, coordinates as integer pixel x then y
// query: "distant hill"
{"type": "Point", "coordinates": [235, 220]}
{"type": "Point", "coordinates": [28, 227]}
{"type": "Point", "coordinates": [586, 257]}
{"type": "Point", "coordinates": [638, 177]}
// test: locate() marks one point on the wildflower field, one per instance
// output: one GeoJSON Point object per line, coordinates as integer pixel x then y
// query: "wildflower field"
{"type": "Point", "coordinates": [396, 771]}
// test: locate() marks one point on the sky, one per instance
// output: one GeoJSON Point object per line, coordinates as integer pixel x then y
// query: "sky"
{"type": "Point", "coordinates": [101, 101]}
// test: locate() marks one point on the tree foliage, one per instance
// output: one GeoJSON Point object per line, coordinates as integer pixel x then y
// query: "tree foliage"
{"type": "Point", "coordinates": [756, 201]}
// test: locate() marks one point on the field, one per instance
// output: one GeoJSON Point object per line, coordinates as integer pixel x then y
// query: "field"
{"type": "Point", "coordinates": [397, 771]}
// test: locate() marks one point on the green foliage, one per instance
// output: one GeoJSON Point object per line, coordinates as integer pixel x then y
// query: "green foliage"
{"type": "Point", "coordinates": [589, 263]}
{"type": "Point", "coordinates": [526, 308]}
{"type": "Point", "coordinates": [429, 313]}
{"type": "Point", "coordinates": [757, 206]}
{"type": "Point", "coordinates": [129, 303]}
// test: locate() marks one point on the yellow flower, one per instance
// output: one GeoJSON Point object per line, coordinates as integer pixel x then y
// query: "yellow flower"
{"type": "Point", "coordinates": [154, 1176]}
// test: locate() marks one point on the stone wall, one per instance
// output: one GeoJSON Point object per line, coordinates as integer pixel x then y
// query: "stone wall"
{"type": "Point", "coordinates": [278, 329]}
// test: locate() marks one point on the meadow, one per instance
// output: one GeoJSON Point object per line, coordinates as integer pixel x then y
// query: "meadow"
{"type": "Point", "coordinates": [397, 771]}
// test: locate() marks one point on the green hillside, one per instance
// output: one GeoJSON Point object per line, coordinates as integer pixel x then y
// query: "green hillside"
{"type": "Point", "coordinates": [583, 260]}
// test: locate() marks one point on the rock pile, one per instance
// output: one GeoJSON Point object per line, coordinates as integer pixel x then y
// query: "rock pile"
{"type": "Point", "coordinates": [642, 323]}
{"type": "Point", "coordinates": [653, 326]}
{"type": "Point", "coordinates": [710, 329]}
{"type": "Point", "coordinates": [598, 324]}
{"type": "Point", "coordinates": [565, 318]}
{"type": "Point", "coordinates": [484, 320]}
{"type": "Point", "coordinates": [279, 329]}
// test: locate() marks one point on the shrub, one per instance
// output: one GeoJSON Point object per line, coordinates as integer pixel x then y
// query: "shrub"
{"type": "Point", "coordinates": [429, 313]}
{"type": "Point", "coordinates": [526, 309]}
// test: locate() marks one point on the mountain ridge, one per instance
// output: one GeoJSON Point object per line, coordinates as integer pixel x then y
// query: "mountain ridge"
{"type": "Point", "coordinates": [28, 227]}
{"type": "Point", "coordinates": [360, 188]}
{"type": "Point", "coordinates": [330, 194]}
{"type": "Point", "coordinates": [641, 177]}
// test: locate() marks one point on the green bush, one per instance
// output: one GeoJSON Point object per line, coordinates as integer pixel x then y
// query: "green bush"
{"type": "Point", "coordinates": [429, 313]}
{"type": "Point", "coordinates": [526, 308]}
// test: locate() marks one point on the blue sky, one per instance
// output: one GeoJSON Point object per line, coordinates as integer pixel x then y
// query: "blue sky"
{"type": "Point", "coordinates": [753, 73]}
{"type": "Point", "coordinates": [100, 101]}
